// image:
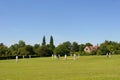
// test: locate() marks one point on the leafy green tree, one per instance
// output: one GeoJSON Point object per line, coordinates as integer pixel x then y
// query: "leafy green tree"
{"type": "Point", "coordinates": [67, 45]}
{"type": "Point", "coordinates": [103, 49]}
{"type": "Point", "coordinates": [89, 44]}
{"type": "Point", "coordinates": [18, 48]}
{"type": "Point", "coordinates": [36, 49]}
{"type": "Point", "coordinates": [14, 49]}
{"type": "Point", "coordinates": [22, 51]}
{"type": "Point", "coordinates": [108, 47]}
{"type": "Point", "coordinates": [29, 50]}
{"type": "Point", "coordinates": [21, 43]}
{"type": "Point", "coordinates": [63, 49]}
{"type": "Point", "coordinates": [44, 51]}
{"type": "Point", "coordinates": [75, 47]}
{"type": "Point", "coordinates": [81, 47]}
{"type": "Point", "coordinates": [21, 48]}
{"type": "Point", "coordinates": [36, 46]}
{"type": "Point", "coordinates": [3, 49]}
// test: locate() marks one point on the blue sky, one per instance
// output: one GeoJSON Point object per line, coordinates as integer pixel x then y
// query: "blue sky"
{"type": "Point", "coordinates": [83, 21]}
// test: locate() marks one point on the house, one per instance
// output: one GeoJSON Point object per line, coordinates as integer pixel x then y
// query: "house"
{"type": "Point", "coordinates": [90, 48]}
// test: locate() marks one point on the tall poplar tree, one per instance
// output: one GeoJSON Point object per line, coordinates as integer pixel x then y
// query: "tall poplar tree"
{"type": "Point", "coordinates": [52, 43]}
{"type": "Point", "coordinates": [44, 41]}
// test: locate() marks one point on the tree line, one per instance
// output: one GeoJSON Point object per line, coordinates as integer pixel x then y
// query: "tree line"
{"type": "Point", "coordinates": [68, 48]}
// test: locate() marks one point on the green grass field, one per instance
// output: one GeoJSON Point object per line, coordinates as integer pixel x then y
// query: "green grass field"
{"type": "Point", "coordinates": [84, 68]}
